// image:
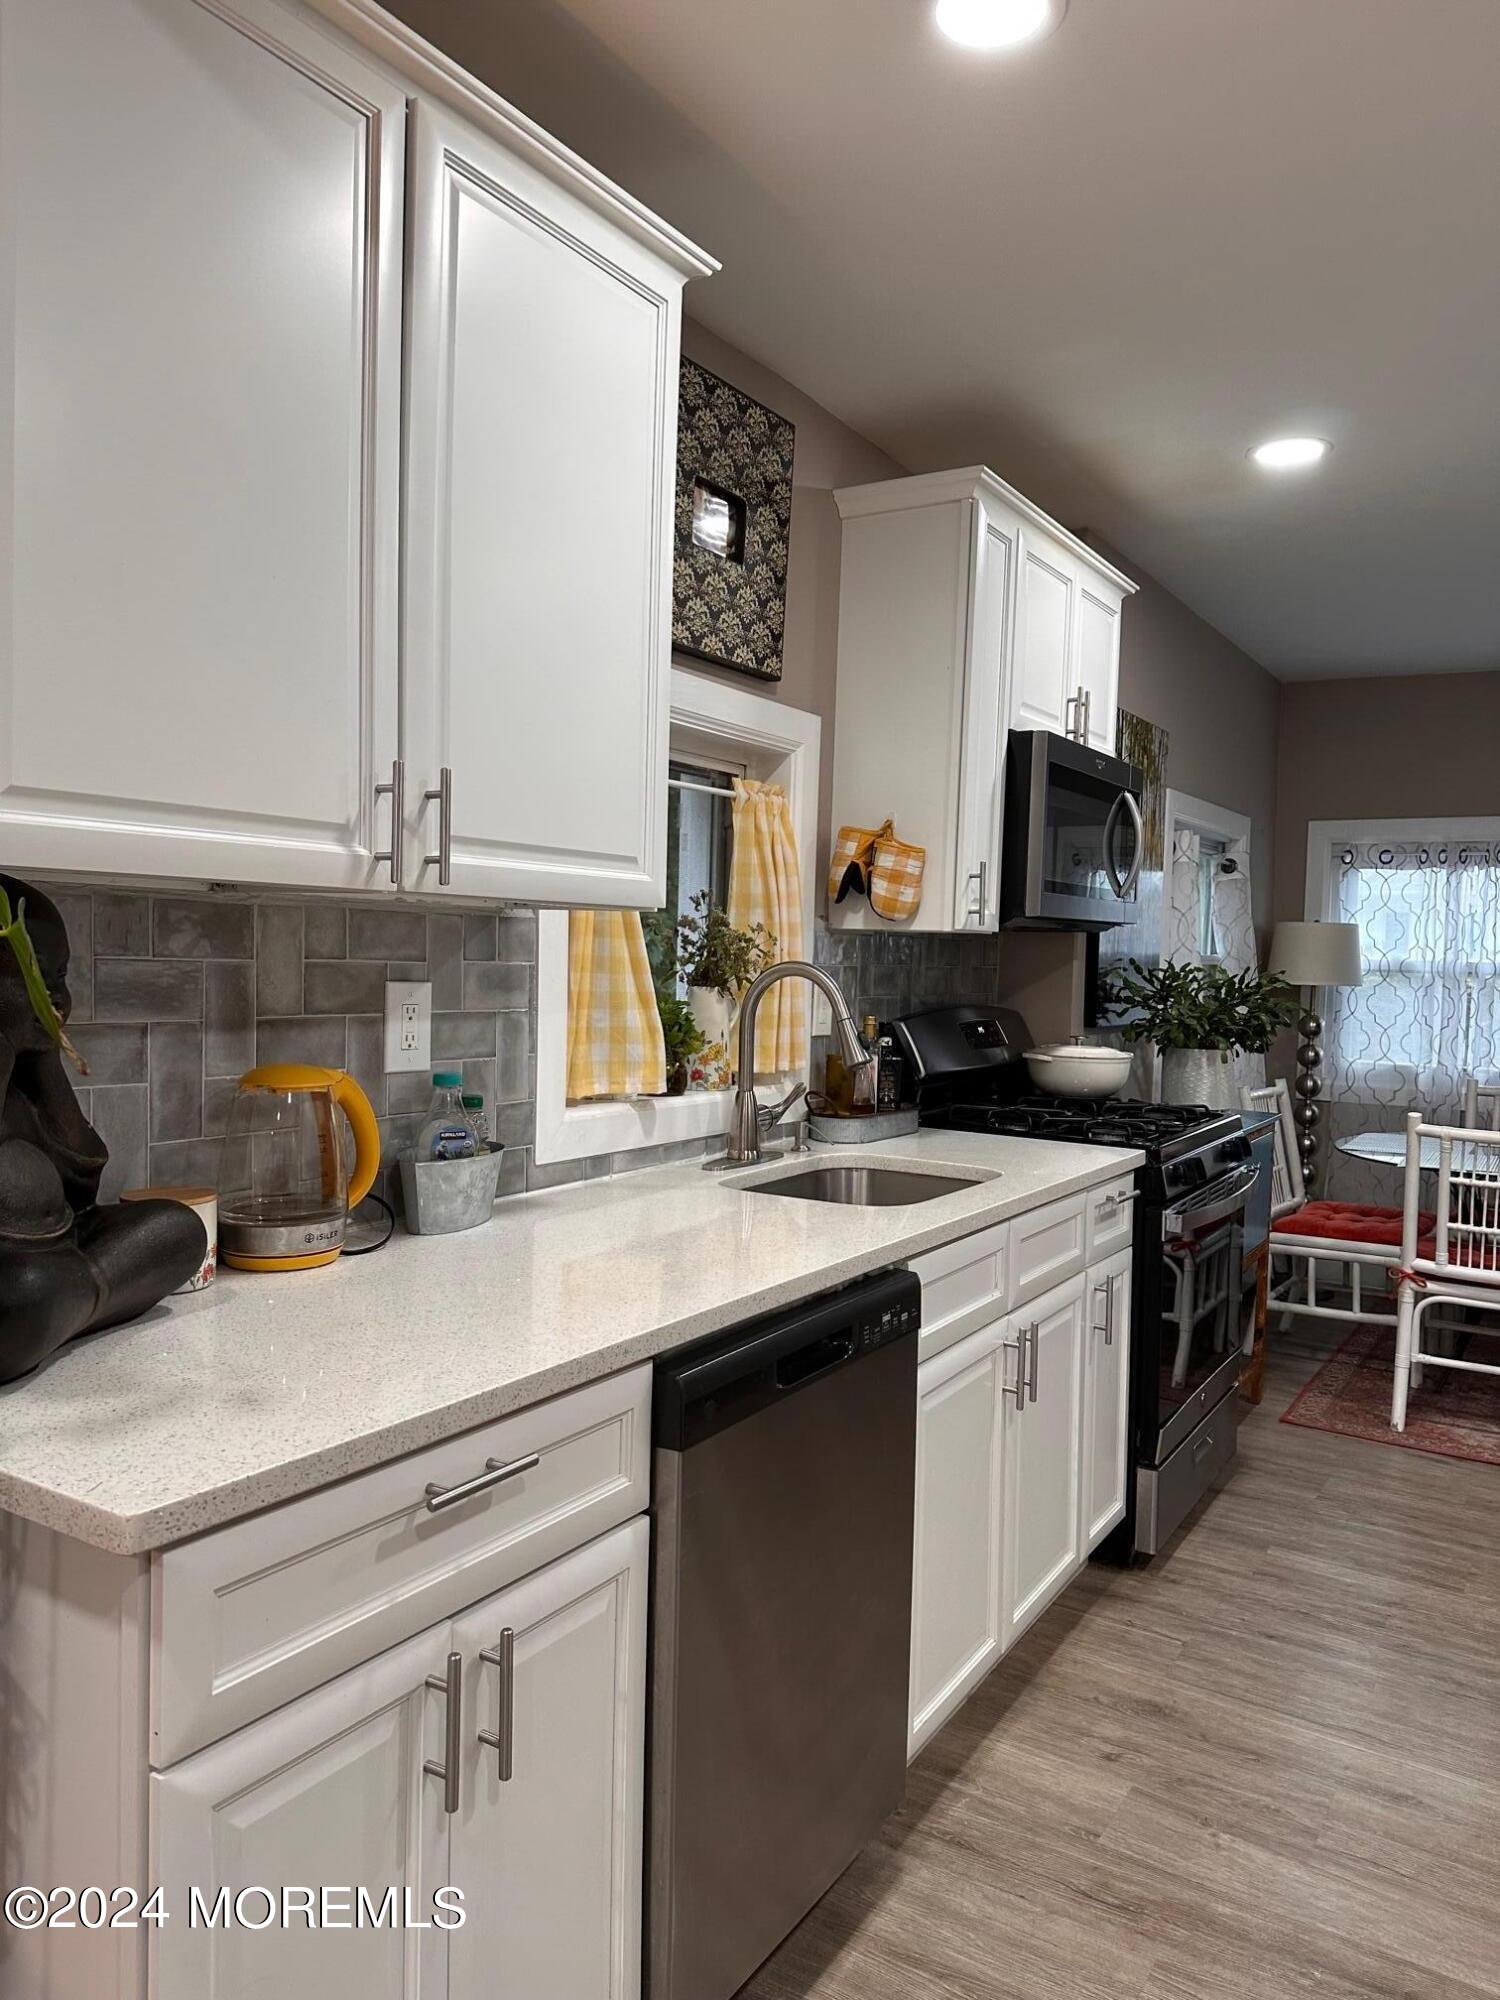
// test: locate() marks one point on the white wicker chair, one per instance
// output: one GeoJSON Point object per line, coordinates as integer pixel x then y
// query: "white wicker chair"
{"type": "Point", "coordinates": [1481, 1105]}
{"type": "Point", "coordinates": [1455, 1262]}
{"type": "Point", "coordinates": [1374, 1234]}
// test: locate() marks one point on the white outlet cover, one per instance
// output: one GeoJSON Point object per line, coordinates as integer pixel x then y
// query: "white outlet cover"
{"type": "Point", "coordinates": [398, 994]}
{"type": "Point", "coordinates": [822, 1013]}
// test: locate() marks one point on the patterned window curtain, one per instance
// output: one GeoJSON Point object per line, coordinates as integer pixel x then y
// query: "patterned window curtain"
{"type": "Point", "coordinates": [615, 1045]}
{"type": "Point", "coordinates": [1180, 945]}
{"type": "Point", "coordinates": [765, 887]}
{"type": "Point", "coordinates": [1428, 1012]}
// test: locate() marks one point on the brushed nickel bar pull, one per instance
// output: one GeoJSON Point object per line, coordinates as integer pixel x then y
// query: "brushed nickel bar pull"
{"type": "Point", "coordinates": [502, 1738]}
{"type": "Point", "coordinates": [443, 858]}
{"type": "Point", "coordinates": [396, 791]}
{"type": "Point", "coordinates": [1035, 1331]}
{"type": "Point", "coordinates": [495, 1472]}
{"type": "Point", "coordinates": [1107, 1286]}
{"type": "Point", "coordinates": [1018, 1387]}
{"type": "Point", "coordinates": [449, 1684]}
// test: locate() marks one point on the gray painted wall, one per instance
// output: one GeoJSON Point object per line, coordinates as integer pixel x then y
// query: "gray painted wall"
{"type": "Point", "coordinates": [1417, 746]}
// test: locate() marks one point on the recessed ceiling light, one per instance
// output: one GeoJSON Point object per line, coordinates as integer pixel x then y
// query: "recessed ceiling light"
{"type": "Point", "coordinates": [998, 24]}
{"type": "Point", "coordinates": [1288, 454]}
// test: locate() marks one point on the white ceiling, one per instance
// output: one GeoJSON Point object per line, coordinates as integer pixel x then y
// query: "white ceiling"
{"type": "Point", "coordinates": [1107, 264]}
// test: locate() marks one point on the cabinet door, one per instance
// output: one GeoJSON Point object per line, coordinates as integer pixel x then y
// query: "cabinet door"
{"type": "Point", "coordinates": [542, 421]}
{"type": "Point", "coordinates": [957, 1613]}
{"type": "Point", "coordinates": [199, 440]}
{"type": "Point", "coordinates": [1042, 1450]}
{"type": "Point", "coordinates": [329, 1791]}
{"type": "Point", "coordinates": [1042, 678]}
{"type": "Point", "coordinates": [1106, 1399]}
{"type": "Point", "coordinates": [1097, 670]}
{"type": "Point", "coordinates": [549, 1857]}
{"type": "Point", "coordinates": [982, 772]}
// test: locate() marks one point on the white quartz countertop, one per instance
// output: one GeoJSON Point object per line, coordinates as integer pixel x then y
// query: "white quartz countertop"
{"type": "Point", "coordinates": [263, 1387]}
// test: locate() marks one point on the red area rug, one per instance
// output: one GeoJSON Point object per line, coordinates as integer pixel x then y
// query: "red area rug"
{"type": "Point", "coordinates": [1452, 1415]}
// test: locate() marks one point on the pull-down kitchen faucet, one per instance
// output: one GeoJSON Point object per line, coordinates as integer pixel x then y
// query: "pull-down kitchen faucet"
{"type": "Point", "coordinates": [749, 1122]}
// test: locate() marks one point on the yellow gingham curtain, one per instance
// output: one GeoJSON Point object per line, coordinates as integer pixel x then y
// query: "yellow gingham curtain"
{"type": "Point", "coordinates": [765, 887]}
{"type": "Point", "coordinates": [615, 1046]}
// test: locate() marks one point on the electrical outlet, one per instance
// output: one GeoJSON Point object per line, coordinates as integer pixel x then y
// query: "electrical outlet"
{"type": "Point", "coordinates": [822, 1013]}
{"type": "Point", "coordinates": [408, 1025]}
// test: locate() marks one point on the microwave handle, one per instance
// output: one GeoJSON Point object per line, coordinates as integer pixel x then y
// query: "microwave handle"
{"type": "Point", "coordinates": [1116, 882]}
{"type": "Point", "coordinates": [1132, 880]}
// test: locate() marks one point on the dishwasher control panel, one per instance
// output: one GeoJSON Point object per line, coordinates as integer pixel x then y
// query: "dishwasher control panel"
{"type": "Point", "coordinates": [709, 1388]}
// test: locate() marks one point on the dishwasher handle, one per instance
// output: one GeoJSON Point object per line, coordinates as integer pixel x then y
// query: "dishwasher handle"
{"type": "Point", "coordinates": [792, 1370]}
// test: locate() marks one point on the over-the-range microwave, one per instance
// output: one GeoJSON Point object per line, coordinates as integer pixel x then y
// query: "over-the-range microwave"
{"type": "Point", "coordinates": [1074, 835]}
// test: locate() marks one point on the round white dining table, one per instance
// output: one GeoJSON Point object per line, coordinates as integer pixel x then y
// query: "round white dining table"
{"type": "Point", "coordinates": [1388, 1149]}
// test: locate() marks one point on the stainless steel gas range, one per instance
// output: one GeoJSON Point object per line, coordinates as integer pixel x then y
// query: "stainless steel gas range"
{"type": "Point", "coordinates": [1194, 1299]}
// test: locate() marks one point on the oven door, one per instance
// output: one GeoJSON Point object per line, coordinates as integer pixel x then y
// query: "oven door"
{"type": "Point", "coordinates": [1207, 1306]}
{"type": "Point", "coordinates": [1074, 835]}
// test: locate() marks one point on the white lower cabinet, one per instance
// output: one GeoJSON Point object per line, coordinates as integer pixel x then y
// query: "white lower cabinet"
{"type": "Point", "coordinates": [349, 1788]}
{"type": "Point", "coordinates": [1106, 1399]}
{"type": "Point", "coordinates": [956, 1620]}
{"type": "Point", "coordinates": [1022, 1462]}
{"type": "Point", "coordinates": [328, 1792]}
{"type": "Point", "coordinates": [547, 1839]}
{"type": "Point", "coordinates": [1043, 1451]}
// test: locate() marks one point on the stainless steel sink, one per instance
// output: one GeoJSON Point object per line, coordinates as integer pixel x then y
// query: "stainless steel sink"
{"type": "Point", "coordinates": [863, 1187]}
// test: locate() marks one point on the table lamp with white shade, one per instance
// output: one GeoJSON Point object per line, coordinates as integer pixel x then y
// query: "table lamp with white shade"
{"type": "Point", "coordinates": [1311, 956]}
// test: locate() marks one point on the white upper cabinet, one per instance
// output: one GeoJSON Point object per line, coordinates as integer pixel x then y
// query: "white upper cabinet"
{"type": "Point", "coordinates": [541, 441]}
{"type": "Point", "coordinates": [200, 349]}
{"type": "Point", "coordinates": [1045, 611]}
{"type": "Point", "coordinates": [204, 292]}
{"type": "Point", "coordinates": [1096, 673]}
{"type": "Point", "coordinates": [964, 613]}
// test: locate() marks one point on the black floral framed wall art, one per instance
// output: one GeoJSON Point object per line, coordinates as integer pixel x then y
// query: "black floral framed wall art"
{"type": "Point", "coordinates": [733, 525]}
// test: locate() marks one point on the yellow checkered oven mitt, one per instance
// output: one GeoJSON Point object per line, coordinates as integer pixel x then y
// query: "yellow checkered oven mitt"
{"type": "Point", "coordinates": [853, 856]}
{"type": "Point", "coordinates": [896, 877]}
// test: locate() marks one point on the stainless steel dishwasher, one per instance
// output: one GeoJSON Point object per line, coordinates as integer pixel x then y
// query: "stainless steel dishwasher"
{"type": "Point", "coordinates": [781, 1623]}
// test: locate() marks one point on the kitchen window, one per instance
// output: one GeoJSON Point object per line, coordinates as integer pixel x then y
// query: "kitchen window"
{"type": "Point", "coordinates": [1426, 897]}
{"type": "Point", "coordinates": [718, 731]}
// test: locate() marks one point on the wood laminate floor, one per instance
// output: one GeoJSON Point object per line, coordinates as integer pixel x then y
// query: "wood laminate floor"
{"type": "Point", "coordinates": [1266, 1766]}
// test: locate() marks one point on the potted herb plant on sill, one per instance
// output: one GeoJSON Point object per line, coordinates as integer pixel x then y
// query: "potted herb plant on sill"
{"type": "Point", "coordinates": [1200, 1017]}
{"type": "Point", "coordinates": [683, 1038]}
{"type": "Point", "coordinates": [718, 960]}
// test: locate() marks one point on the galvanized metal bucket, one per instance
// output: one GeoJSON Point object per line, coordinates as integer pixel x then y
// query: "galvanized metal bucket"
{"type": "Point", "coordinates": [442, 1196]}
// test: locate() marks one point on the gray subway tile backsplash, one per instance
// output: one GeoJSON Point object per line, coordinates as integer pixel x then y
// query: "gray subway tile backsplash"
{"type": "Point", "coordinates": [343, 986]}
{"type": "Point", "coordinates": [388, 934]}
{"type": "Point", "coordinates": [148, 989]}
{"type": "Point", "coordinates": [188, 992]}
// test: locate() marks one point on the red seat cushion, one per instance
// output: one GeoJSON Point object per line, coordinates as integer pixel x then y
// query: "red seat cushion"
{"type": "Point", "coordinates": [1349, 1222]}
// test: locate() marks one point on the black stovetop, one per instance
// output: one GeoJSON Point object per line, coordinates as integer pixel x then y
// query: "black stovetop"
{"type": "Point", "coordinates": [1161, 1131]}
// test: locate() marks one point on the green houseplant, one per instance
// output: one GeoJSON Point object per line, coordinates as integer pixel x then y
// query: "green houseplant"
{"type": "Point", "coordinates": [1199, 1016]}
{"type": "Point", "coordinates": [716, 959]}
{"type": "Point", "coordinates": [683, 1038]}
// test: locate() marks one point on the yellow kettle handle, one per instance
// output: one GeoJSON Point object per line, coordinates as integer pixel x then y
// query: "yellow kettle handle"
{"type": "Point", "coordinates": [358, 1109]}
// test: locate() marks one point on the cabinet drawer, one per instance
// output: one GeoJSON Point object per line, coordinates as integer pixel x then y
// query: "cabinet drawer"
{"type": "Point", "coordinates": [1046, 1247]}
{"type": "Point", "coordinates": [1111, 1218]}
{"type": "Point", "coordinates": [250, 1616]}
{"type": "Point", "coordinates": [963, 1287]}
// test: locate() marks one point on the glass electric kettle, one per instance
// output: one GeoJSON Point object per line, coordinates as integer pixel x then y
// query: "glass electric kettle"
{"type": "Point", "coordinates": [285, 1186]}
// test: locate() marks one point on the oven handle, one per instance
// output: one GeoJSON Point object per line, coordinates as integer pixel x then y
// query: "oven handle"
{"type": "Point", "coordinates": [1215, 1204]}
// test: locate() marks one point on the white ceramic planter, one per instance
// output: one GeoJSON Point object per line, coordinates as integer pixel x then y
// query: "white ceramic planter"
{"type": "Point", "coordinates": [714, 1013]}
{"type": "Point", "coordinates": [1199, 1076]}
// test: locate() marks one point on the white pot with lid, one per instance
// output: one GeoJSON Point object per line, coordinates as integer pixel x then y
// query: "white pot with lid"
{"type": "Point", "coordinates": [1078, 1069]}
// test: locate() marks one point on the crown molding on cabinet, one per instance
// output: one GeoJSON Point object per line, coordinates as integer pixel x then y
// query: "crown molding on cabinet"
{"type": "Point", "coordinates": [382, 35]}
{"type": "Point", "coordinates": [935, 489]}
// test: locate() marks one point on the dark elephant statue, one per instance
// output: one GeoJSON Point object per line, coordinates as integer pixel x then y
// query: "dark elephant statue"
{"type": "Point", "coordinates": [67, 1265]}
